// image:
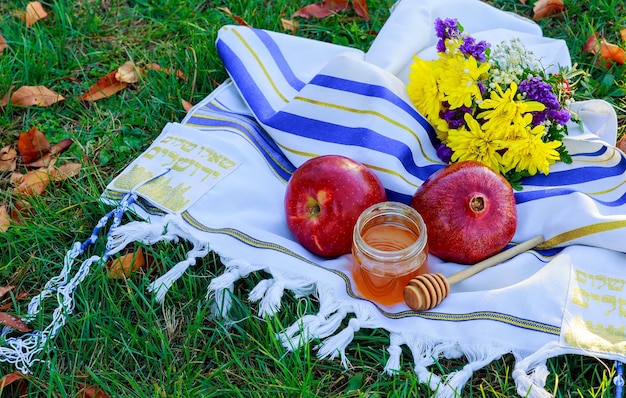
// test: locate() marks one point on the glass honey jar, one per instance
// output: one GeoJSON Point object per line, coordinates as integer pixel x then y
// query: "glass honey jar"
{"type": "Point", "coordinates": [389, 247]}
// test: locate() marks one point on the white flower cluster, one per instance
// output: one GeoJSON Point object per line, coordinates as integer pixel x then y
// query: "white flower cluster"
{"type": "Point", "coordinates": [509, 60]}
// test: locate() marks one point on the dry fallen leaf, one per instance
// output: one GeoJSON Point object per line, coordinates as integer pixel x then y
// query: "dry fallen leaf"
{"type": "Point", "coordinates": [3, 44]}
{"type": "Point", "coordinates": [8, 158]}
{"type": "Point", "coordinates": [14, 322]}
{"type": "Point", "coordinates": [545, 8]}
{"type": "Point", "coordinates": [9, 304]}
{"type": "Point", "coordinates": [186, 105]}
{"type": "Point", "coordinates": [609, 52]}
{"type": "Point", "coordinates": [32, 144]}
{"type": "Point", "coordinates": [5, 223]}
{"type": "Point", "coordinates": [35, 182]}
{"type": "Point", "coordinates": [90, 392]}
{"type": "Point", "coordinates": [612, 52]}
{"type": "Point", "coordinates": [290, 25]}
{"type": "Point", "coordinates": [157, 67]}
{"type": "Point", "coordinates": [124, 266]}
{"type": "Point", "coordinates": [5, 289]}
{"type": "Point", "coordinates": [239, 20]}
{"type": "Point", "coordinates": [12, 378]}
{"type": "Point", "coordinates": [34, 12]}
{"type": "Point", "coordinates": [360, 7]}
{"type": "Point", "coordinates": [21, 211]}
{"type": "Point", "coordinates": [622, 34]}
{"type": "Point", "coordinates": [34, 96]}
{"type": "Point", "coordinates": [323, 9]}
{"type": "Point", "coordinates": [65, 171]}
{"type": "Point", "coordinates": [128, 73]}
{"type": "Point", "coordinates": [621, 143]}
{"type": "Point", "coordinates": [592, 45]}
{"type": "Point", "coordinates": [51, 155]}
{"type": "Point", "coordinates": [103, 88]}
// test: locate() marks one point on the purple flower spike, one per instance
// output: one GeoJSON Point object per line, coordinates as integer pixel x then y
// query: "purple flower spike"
{"type": "Point", "coordinates": [446, 29]}
{"type": "Point", "coordinates": [444, 153]}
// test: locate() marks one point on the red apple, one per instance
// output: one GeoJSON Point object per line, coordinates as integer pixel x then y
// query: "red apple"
{"type": "Point", "coordinates": [324, 198]}
{"type": "Point", "coordinates": [469, 211]}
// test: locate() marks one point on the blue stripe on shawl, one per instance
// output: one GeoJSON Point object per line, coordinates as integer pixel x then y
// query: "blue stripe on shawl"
{"type": "Point", "coordinates": [375, 91]}
{"type": "Point", "coordinates": [279, 59]}
{"type": "Point", "coordinates": [274, 156]}
{"type": "Point", "coordinates": [315, 129]}
{"type": "Point", "coordinates": [577, 175]}
{"type": "Point", "coordinates": [355, 136]}
{"type": "Point", "coordinates": [522, 197]}
{"type": "Point", "coordinates": [244, 81]}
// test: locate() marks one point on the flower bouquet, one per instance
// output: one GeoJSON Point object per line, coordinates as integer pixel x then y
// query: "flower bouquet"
{"type": "Point", "coordinates": [494, 105]}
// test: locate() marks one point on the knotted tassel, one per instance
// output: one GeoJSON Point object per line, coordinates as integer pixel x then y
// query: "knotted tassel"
{"type": "Point", "coordinates": [162, 285]}
{"type": "Point", "coordinates": [269, 292]}
{"type": "Point", "coordinates": [424, 353]}
{"type": "Point", "coordinates": [395, 351]}
{"type": "Point", "coordinates": [528, 372]}
{"type": "Point", "coordinates": [221, 288]}
{"type": "Point", "coordinates": [311, 326]}
{"type": "Point", "coordinates": [478, 357]}
{"type": "Point", "coordinates": [336, 345]}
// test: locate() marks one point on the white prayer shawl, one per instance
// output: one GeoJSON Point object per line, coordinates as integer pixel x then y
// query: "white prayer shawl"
{"type": "Point", "coordinates": [217, 179]}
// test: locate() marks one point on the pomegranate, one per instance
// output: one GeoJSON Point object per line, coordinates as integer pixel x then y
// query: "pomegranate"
{"type": "Point", "coordinates": [469, 211]}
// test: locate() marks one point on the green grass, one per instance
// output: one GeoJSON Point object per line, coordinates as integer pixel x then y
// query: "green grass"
{"type": "Point", "coordinates": [120, 339]}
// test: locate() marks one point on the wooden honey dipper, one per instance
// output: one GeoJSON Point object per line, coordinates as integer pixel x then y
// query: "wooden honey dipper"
{"type": "Point", "coordinates": [426, 291]}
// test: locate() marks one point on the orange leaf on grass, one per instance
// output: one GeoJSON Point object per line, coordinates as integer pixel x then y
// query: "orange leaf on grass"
{"type": "Point", "coordinates": [622, 34]}
{"type": "Point", "coordinates": [32, 144]}
{"type": "Point", "coordinates": [360, 7]}
{"type": "Point", "coordinates": [65, 171]}
{"type": "Point", "coordinates": [290, 25]}
{"type": "Point", "coordinates": [238, 19]}
{"type": "Point", "coordinates": [104, 88]}
{"type": "Point", "coordinates": [157, 67]}
{"type": "Point", "coordinates": [34, 182]}
{"type": "Point", "coordinates": [34, 12]}
{"type": "Point", "coordinates": [8, 158]}
{"type": "Point", "coordinates": [90, 392]}
{"type": "Point", "coordinates": [33, 96]}
{"type": "Point", "coordinates": [14, 322]}
{"type": "Point", "coordinates": [124, 266]}
{"type": "Point", "coordinates": [5, 223]}
{"type": "Point", "coordinates": [8, 305]}
{"type": "Point", "coordinates": [612, 52]}
{"type": "Point", "coordinates": [323, 9]}
{"type": "Point", "coordinates": [10, 379]}
{"type": "Point", "coordinates": [5, 289]}
{"type": "Point", "coordinates": [545, 8]}
{"type": "Point", "coordinates": [128, 73]}
{"type": "Point", "coordinates": [186, 105]}
{"type": "Point", "coordinates": [50, 156]}
{"type": "Point", "coordinates": [3, 44]}
{"type": "Point", "coordinates": [621, 143]}
{"type": "Point", "coordinates": [609, 52]}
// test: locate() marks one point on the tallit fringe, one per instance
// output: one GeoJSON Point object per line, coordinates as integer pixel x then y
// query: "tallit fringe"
{"type": "Point", "coordinates": [321, 325]}
{"type": "Point", "coordinates": [478, 356]}
{"type": "Point", "coordinates": [336, 345]}
{"type": "Point", "coordinates": [220, 289]}
{"type": "Point", "coordinates": [270, 292]}
{"type": "Point", "coordinates": [169, 229]}
{"type": "Point", "coordinates": [530, 373]}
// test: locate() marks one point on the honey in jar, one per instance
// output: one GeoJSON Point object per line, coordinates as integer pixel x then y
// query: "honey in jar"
{"type": "Point", "coordinates": [389, 248]}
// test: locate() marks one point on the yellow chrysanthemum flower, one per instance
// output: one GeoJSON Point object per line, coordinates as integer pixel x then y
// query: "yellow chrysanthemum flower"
{"type": "Point", "coordinates": [459, 83]}
{"type": "Point", "coordinates": [504, 109]}
{"type": "Point", "coordinates": [531, 153]}
{"type": "Point", "coordinates": [475, 143]}
{"type": "Point", "coordinates": [423, 88]}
